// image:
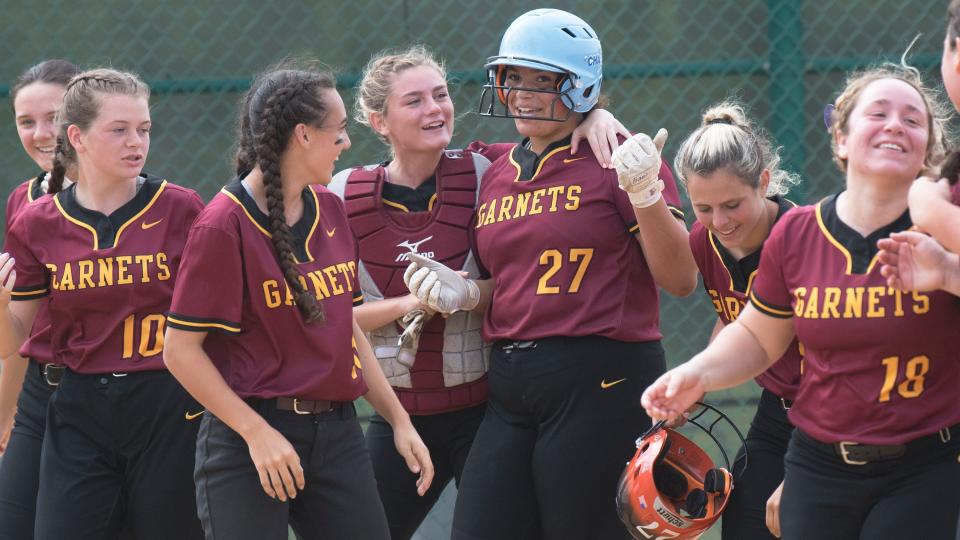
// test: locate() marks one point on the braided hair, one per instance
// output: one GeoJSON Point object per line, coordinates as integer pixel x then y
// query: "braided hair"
{"type": "Point", "coordinates": [81, 105]}
{"type": "Point", "coordinates": [276, 103]}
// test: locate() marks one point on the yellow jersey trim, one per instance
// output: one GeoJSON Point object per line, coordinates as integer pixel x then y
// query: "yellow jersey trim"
{"type": "Point", "coordinates": [713, 244]}
{"type": "Point", "coordinates": [768, 309]}
{"type": "Point", "coordinates": [35, 292]}
{"type": "Point", "coordinates": [116, 238]}
{"type": "Point", "coordinates": [396, 205]}
{"type": "Point", "coordinates": [316, 220]}
{"type": "Point", "coordinates": [232, 329]}
{"type": "Point", "coordinates": [539, 166]}
{"type": "Point", "coordinates": [236, 200]}
{"type": "Point", "coordinates": [838, 245]}
{"type": "Point", "coordinates": [433, 199]}
{"type": "Point", "coordinates": [30, 189]}
{"type": "Point", "coordinates": [96, 240]}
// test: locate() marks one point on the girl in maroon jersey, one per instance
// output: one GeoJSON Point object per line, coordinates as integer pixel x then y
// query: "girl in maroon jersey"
{"type": "Point", "coordinates": [266, 294]}
{"type": "Point", "coordinates": [731, 172]}
{"type": "Point", "coordinates": [875, 415]}
{"type": "Point", "coordinates": [105, 250]}
{"type": "Point", "coordinates": [36, 95]}
{"type": "Point", "coordinates": [571, 305]}
{"type": "Point", "coordinates": [426, 200]}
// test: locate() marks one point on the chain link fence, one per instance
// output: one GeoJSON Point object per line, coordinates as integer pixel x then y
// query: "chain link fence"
{"type": "Point", "coordinates": [664, 62]}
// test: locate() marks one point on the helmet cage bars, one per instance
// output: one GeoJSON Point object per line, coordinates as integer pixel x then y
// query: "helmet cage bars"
{"type": "Point", "coordinates": [495, 96]}
{"type": "Point", "coordinates": [671, 487]}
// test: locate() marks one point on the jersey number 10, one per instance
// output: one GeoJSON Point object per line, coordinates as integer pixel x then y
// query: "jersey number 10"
{"type": "Point", "coordinates": [151, 335]}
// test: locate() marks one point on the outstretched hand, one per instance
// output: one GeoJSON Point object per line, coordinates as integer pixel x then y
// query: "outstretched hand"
{"type": "Point", "coordinates": [913, 261]}
{"type": "Point", "coordinates": [638, 162]}
{"type": "Point", "coordinates": [673, 393]}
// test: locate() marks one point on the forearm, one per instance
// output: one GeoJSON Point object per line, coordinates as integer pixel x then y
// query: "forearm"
{"type": "Point", "coordinates": [379, 393]}
{"type": "Point", "coordinates": [666, 249]}
{"type": "Point", "coordinates": [16, 320]}
{"type": "Point", "coordinates": [937, 217]}
{"type": "Point", "coordinates": [11, 381]}
{"type": "Point", "coordinates": [717, 327]}
{"type": "Point", "coordinates": [373, 315]}
{"type": "Point", "coordinates": [189, 363]}
{"type": "Point", "coordinates": [735, 356]}
{"type": "Point", "coordinates": [486, 294]}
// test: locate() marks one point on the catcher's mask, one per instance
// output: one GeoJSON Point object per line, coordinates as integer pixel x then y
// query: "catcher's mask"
{"type": "Point", "coordinates": [672, 488]}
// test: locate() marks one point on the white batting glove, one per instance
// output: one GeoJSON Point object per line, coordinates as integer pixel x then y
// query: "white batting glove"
{"type": "Point", "coordinates": [637, 161]}
{"type": "Point", "coordinates": [439, 287]}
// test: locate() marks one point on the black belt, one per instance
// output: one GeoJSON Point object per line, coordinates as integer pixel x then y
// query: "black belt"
{"type": "Point", "coordinates": [853, 453]}
{"type": "Point", "coordinates": [307, 406]}
{"type": "Point", "coordinates": [51, 373]}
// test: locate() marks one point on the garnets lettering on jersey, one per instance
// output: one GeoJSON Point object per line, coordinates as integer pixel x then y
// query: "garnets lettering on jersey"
{"type": "Point", "coordinates": [557, 234]}
{"type": "Point", "coordinates": [727, 282]}
{"type": "Point", "coordinates": [880, 365]}
{"type": "Point", "coordinates": [109, 279]}
{"type": "Point", "coordinates": [232, 287]}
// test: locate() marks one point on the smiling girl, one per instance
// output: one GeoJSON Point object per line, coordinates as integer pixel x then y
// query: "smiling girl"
{"type": "Point", "coordinates": [875, 413]}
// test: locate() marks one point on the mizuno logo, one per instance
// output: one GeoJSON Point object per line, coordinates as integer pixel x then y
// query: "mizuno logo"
{"type": "Point", "coordinates": [604, 384]}
{"type": "Point", "coordinates": [412, 247]}
{"type": "Point", "coordinates": [571, 160]}
{"type": "Point", "coordinates": [190, 416]}
{"type": "Point", "coordinates": [330, 232]}
{"type": "Point", "coordinates": [144, 225]}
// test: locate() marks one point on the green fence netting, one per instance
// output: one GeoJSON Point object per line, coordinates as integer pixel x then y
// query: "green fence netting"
{"type": "Point", "coordinates": [665, 61]}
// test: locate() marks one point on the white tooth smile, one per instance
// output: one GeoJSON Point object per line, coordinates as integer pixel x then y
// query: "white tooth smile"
{"type": "Point", "coordinates": [891, 146]}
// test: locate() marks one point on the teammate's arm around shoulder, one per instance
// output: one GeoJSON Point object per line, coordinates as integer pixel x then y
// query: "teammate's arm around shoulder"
{"type": "Point", "coordinates": [742, 350]}
{"type": "Point", "coordinates": [933, 211]}
{"type": "Point", "coordinates": [275, 459]}
{"type": "Point", "coordinates": [662, 236]}
{"type": "Point", "coordinates": [383, 399]}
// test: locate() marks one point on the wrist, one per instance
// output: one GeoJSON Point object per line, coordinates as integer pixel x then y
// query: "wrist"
{"type": "Point", "coordinates": [648, 196]}
{"type": "Point", "coordinates": [473, 296]}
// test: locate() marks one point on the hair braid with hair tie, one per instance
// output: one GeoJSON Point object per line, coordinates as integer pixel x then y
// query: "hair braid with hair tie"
{"type": "Point", "coordinates": [276, 123]}
{"type": "Point", "coordinates": [59, 169]}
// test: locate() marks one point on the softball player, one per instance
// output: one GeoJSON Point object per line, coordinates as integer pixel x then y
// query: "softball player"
{"type": "Point", "coordinates": [36, 95]}
{"type": "Point", "coordinates": [571, 306]}
{"type": "Point", "coordinates": [876, 412]}
{"type": "Point", "coordinates": [106, 252]}
{"type": "Point", "coordinates": [421, 199]}
{"type": "Point", "coordinates": [260, 332]}
{"type": "Point", "coordinates": [731, 172]}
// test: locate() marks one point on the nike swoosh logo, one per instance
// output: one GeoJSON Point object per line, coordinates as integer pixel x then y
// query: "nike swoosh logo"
{"type": "Point", "coordinates": [190, 416]}
{"type": "Point", "coordinates": [144, 225]}
{"type": "Point", "coordinates": [571, 160]}
{"type": "Point", "coordinates": [604, 384]}
{"type": "Point", "coordinates": [330, 232]}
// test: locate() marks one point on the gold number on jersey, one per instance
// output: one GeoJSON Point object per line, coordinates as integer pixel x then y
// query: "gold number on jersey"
{"type": "Point", "coordinates": [912, 384]}
{"type": "Point", "coordinates": [554, 259]}
{"type": "Point", "coordinates": [151, 330]}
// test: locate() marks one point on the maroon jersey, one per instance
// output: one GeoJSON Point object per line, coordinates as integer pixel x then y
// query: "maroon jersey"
{"type": "Point", "coordinates": [448, 368]}
{"type": "Point", "coordinates": [727, 282]}
{"type": "Point", "coordinates": [557, 236]}
{"type": "Point", "coordinates": [37, 345]}
{"type": "Point", "coordinates": [109, 278]}
{"type": "Point", "coordinates": [955, 193]}
{"type": "Point", "coordinates": [231, 286]}
{"type": "Point", "coordinates": [880, 365]}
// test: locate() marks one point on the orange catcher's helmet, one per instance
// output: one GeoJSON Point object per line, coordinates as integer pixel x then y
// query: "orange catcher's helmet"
{"type": "Point", "coordinates": [672, 489]}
